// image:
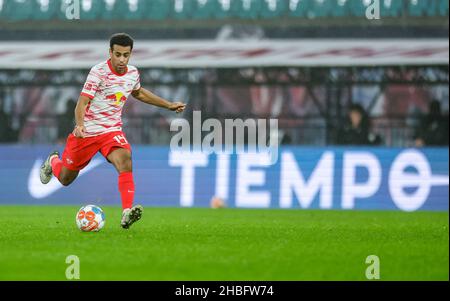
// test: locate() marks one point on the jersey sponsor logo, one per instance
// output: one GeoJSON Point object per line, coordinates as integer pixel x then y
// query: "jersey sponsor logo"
{"type": "Point", "coordinates": [118, 97]}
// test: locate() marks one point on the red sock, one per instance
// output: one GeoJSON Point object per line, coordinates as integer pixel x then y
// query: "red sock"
{"type": "Point", "coordinates": [126, 188]}
{"type": "Point", "coordinates": [56, 164]}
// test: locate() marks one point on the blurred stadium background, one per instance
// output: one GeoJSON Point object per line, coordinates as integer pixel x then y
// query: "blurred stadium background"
{"type": "Point", "coordinates": [307, 63]}
{"type": "Point", "coordinates": [304, 62]}
{"type": "Point", "coordinates": [310, 102]}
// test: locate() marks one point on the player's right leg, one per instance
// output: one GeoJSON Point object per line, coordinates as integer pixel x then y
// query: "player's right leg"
{"type": "Point", "coordinates": [54, 166]}
{"type": "Point", "coordinates": [77, 154]}
{"type": "Point", "coordinates": [45, 172]}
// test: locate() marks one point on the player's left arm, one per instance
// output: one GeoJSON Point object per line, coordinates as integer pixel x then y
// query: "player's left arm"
{"type": "Point", "coordinates": [152, 99]}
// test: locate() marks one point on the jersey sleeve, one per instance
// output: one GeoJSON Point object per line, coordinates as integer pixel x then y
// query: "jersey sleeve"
{"type": "Point", "coordinates": [92, 84]}
{"type": "Point", "coordinates": [137, 86]}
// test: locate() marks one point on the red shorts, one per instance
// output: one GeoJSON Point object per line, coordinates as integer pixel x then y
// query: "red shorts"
{"type": "Point", "coordinates": [79, 151]}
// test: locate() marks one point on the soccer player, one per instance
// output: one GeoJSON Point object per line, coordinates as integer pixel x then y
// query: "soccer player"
{"type": "Point", "coordinates": [99, 125]}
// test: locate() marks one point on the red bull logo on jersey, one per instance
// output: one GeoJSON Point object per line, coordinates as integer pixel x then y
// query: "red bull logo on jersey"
{"type": "Point", "coordinates": [119, 98]}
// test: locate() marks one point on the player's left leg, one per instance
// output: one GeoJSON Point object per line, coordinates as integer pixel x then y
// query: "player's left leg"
{"type": "Point", "coordinates": [121, 159]}
{"type": "Point", "coordinates": [116, 149]}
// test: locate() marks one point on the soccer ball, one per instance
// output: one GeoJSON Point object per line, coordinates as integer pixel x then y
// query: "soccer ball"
{"type": "Point", "coordinates": [217, 203]}
{"type": "Point", "coordinates": [90, 218]}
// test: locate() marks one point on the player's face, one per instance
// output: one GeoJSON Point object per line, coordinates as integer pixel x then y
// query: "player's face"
{"type": "Point", "coordinates": [120, 55]}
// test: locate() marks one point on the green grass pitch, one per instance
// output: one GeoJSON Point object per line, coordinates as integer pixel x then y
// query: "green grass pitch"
{"type": "Point", "coordinates": [225, 244]}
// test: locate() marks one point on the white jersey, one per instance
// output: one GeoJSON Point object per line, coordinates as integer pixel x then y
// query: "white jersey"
{"type": "Point", "coordinates": [108, 92]}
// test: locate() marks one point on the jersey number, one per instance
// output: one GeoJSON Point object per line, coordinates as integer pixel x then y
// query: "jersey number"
{"type": "Point", "coordinates": [121, 139]}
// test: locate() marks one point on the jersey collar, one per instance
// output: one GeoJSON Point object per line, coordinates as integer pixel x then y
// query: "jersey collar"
{"type": "Point", "coordinates": [114, 72]}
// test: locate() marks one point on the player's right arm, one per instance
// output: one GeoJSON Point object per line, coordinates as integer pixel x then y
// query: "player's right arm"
{"type": "Point", "coordinates": [90, 88]}
{"type": "Point", "coordinates": [80, 110]}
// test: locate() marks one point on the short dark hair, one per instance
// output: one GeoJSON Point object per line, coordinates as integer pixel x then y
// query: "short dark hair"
{"type": "Point", "coordinates": [365, 120]}
{"type": "Point", "coordinates": [121, 39]}
{"type": "Point", "coordinates": [358, 108]}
